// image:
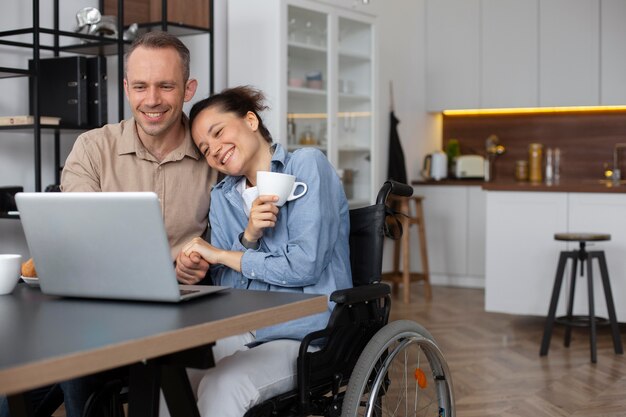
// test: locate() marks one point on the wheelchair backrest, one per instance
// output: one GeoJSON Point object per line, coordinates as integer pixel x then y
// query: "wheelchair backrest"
{"type": "Point", "coordinates": [366, 243]}
{"type": "Point", "coordinates": [368, 228]}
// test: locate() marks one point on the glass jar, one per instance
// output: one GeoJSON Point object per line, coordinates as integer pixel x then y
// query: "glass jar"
{"type": "Point", "coordinates": [535, 159]}
{"type": "Point", "coordinates": [521, 170]}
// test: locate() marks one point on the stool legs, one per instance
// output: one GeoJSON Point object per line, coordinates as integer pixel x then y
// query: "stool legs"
{"type": "Point", "coordinates": [403, 247]}
{"type": "Point", "coordinates": [582, 256]}
{"type": "Point", "coordinates": [608, 294]}
{"type": "Point", "coordinates": [421, 234]}
{"type": "Point", "coordinates": [570, 302]}
{"type": "Point", "coordinates": [558, 281]}
{"type": "Point", "coordinates": [592, 313]}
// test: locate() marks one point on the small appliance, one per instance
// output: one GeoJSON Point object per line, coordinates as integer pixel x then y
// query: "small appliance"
{"type": "Point", "coordinates": [435, 166]}
{"type": "Point", "coordinates": [469, 166]}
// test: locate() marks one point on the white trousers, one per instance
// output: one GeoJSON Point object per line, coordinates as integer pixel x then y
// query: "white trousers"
{"type": "Point", "coordinates": [242, 377]}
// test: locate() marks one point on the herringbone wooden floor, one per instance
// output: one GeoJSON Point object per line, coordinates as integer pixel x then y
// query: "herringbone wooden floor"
{"type": "Point", "coordinates": [495, 363]}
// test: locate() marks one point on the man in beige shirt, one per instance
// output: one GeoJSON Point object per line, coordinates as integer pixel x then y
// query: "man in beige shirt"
{"type": "Point", "coordinates": [153, 150]}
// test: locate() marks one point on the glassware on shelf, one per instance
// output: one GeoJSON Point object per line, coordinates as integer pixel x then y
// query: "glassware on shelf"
{"type": "Point", "coordinates": [307, 137]}
{"type": "Point", "coordinates": [323, 135]}
{"type": "Point", "coordinates": [291, 131]}
{"type": "Point", "coordinates": [293, 31]}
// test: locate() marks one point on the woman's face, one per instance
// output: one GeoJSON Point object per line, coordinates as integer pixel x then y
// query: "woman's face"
{"type": "Point", "coordinates": [228, 142]}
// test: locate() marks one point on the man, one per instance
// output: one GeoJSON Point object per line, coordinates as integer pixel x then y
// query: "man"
{"type": "Point", "coordinates": [152, 151]}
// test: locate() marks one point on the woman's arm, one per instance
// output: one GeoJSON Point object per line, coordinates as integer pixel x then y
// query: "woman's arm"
{"type": "Point", "coordinates": [213, 255]}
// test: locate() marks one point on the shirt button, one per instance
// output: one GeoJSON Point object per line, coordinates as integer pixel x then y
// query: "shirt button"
{"type": "Point", "coordinates": [284, 282]}
{"type": "Point", "coordinates": [252, 274]}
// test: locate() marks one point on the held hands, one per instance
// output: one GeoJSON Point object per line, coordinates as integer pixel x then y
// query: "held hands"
{"type": "Point", "coordinates": [201, 248]}
{"type": "Point", "coordinates": [263, 214]}
{"type": "Point", "coordinates": [190, 269]}
{"type": "Point", "coordinates": [209, 253]}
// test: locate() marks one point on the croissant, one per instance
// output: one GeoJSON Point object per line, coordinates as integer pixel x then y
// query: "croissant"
{"type": "Point", "coordinates": [28, 269]}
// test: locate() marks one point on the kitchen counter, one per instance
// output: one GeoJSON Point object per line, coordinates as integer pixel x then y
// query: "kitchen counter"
{"type": "Point", "coordinates": [580, 186]}
{"type": "Point", "coordinates": [450, 181]}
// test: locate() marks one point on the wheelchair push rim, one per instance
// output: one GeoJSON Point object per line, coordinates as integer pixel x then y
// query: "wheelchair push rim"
{"type": "Point", "coordinates": [390, 380]}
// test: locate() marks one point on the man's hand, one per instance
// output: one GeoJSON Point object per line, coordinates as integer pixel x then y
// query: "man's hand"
{"type": "Point", "coordinates": [190, 269]}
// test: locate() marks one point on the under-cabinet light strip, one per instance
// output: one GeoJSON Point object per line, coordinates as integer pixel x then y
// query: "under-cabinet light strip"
{"type": "Point", "coordinates": [324, 115]}
{"type": "Point", "coordinates": [533, 110]}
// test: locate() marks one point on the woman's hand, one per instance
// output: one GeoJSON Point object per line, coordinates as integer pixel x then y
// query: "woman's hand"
{"type": "Point", "coordinates": [263, 214]}
{"type": "Point", "coordinates": [201, 247]}
{"type": "Point", "coordinates": [213, 255]}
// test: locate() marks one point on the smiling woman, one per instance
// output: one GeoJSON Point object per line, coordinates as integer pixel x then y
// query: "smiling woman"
{"type": "Point", "coordinates": [301, 246]}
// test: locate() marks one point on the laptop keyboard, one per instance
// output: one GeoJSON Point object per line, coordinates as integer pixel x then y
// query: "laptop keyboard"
{"type": "Point", "coordinates": [185, 292]}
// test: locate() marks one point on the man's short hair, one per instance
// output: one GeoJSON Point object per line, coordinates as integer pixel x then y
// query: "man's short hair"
{"type": "Point", "coordinates": [160, 40]}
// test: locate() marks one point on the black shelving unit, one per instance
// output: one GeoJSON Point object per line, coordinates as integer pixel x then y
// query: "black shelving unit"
{"type": "Point", "coordinates": [97, 45]}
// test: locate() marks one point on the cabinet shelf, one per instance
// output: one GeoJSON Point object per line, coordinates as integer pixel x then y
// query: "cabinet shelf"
{"type": "Point", "coordinates": [35, 38]}
{"type": "Point", "coordinates": [13, 72]}
{"type": "Point", "coordinates": [354, 57]}
{"type": "Point", "coordinates": [306, 92]}
{"type": "Point", "coordinates": [305, 48]}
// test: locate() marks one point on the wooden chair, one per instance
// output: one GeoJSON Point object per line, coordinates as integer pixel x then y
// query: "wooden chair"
{"type": "Point", "coordinates": [404, 275]}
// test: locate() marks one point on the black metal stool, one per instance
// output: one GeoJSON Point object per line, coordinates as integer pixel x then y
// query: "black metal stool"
{"type": "Point", "coordinates": [591, 320]}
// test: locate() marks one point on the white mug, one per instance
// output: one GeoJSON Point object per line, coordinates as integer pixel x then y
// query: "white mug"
{"type": "Point", "coordinates": [10, 267]}
{"type": "Point", "coordinates": [282, 185]}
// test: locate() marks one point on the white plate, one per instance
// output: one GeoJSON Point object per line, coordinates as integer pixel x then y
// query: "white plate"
{"type": "Point", "coordinates": [32, 282]}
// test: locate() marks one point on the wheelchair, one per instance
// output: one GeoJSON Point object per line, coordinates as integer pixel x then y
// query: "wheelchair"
{"type": "Point", "coordinates": [367, 366]}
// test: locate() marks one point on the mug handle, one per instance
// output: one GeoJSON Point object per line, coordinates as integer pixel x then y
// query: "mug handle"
{"type": "Point", "coordinates": [293, 196]}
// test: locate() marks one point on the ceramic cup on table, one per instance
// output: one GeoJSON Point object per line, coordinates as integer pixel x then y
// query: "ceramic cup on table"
{"type": "Point", "coordinates": [282, 185]}
{"type": "Point", "coordinates": [10, 266]}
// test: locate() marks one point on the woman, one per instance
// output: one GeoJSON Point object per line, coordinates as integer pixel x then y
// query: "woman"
{"type": "Point", "coordinates": [299, 247]}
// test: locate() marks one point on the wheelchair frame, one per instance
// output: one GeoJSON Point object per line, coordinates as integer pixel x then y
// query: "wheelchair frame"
{"type": "Point", "coordinates": [355, 358]}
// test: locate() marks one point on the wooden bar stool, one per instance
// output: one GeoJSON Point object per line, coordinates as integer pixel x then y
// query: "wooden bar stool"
{"type": "Point", "coordinates": [591, 320]}
{"type": "Point", "coordinates": [405, 276]}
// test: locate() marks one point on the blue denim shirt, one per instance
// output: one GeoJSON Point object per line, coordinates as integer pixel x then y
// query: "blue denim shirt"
{"type": "Point", "coordinates": [308, 249]}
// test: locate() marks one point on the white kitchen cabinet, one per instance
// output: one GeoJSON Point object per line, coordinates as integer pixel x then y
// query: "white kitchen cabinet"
{"type": "Point", "coordinates": [522, 254]}
{"type": "Point", "coordinates": [455, 234]}
{"type": "Point", "coordinates": [569, 63]}
{"type": "Point", "coordinates": [318, 68]}
{"type": "Point", "coordinates": [509, 53]}
{"type": "Point", "coordinates": [613, 58]}
{"type": "Point", "coordinates": [452, 54]}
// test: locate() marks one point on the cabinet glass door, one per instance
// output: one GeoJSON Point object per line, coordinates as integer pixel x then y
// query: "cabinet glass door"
{"type": "Point", "coordinates": [307, 78]}
{"type": "Point", "coordinates": [354, 117]}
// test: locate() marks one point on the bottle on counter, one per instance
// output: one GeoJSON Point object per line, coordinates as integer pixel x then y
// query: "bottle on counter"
{"type": "Point", "coordinates": [535, 153]}
{"type": "Point", "coordinates": [557, 165]}
{"type": "Point", "coordinates": [549, 167]}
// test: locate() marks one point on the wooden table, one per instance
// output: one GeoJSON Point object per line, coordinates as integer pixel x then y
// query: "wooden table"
{"type": "Point", "coordinates": [47, 339]}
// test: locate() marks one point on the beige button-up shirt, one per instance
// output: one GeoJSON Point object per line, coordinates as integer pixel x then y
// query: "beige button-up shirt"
{"type": "Point", "coordinates": [112, 158]}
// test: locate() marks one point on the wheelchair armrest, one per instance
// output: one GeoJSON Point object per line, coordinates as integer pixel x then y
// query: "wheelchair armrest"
{"type": "Point", "coordinates": [360, 294]}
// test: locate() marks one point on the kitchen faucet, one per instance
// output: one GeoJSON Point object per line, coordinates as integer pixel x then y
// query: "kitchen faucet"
{"type": "Point", "coordinates": [617, 174]}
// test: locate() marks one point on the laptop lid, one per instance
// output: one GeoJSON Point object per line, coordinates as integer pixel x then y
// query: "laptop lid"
{"type": "Point", "coordinates": [101, 245]}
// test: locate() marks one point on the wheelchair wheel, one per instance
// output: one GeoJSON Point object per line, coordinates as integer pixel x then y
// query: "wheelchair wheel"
{"type": "Point", "coordinates": [401, 372]}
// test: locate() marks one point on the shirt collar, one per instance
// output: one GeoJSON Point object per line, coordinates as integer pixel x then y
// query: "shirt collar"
{"type": "Point", "coordinates": [130, 143]}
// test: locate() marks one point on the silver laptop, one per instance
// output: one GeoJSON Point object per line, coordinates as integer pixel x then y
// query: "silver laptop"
{"type": "Point", "coordinates": [102, 245]}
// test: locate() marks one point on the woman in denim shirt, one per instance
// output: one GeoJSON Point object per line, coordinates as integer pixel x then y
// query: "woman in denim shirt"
{"type": "Point", "coordinates": [301, 247]}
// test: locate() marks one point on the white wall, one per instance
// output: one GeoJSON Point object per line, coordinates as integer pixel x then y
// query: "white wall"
{"type": "Point", "coordinates": [16, 149]}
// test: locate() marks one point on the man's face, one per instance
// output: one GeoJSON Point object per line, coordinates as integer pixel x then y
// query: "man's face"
{"type": "Point", "coordinates": [156, 90]}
